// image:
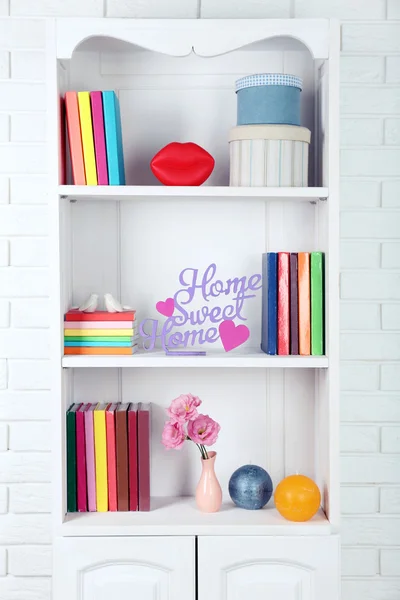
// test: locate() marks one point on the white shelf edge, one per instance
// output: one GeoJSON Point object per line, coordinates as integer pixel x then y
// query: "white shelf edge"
{"type": "Point", "coordinates": [179, 516]}
{"type": "Point", "coordinates": [250, 359]}
{"type": "Point", "coordinates": [133, 192]}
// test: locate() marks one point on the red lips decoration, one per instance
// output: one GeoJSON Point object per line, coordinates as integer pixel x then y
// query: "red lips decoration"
{"type": "Point", "coordinates": [182, 164]}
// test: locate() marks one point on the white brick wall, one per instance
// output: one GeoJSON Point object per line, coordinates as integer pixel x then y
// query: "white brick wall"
{"type": "Point", "coordinates": [370, 281]}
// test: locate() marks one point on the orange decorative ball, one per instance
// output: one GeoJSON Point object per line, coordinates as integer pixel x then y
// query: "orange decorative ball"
{"type": "Point", "coordinates": [297, 498]}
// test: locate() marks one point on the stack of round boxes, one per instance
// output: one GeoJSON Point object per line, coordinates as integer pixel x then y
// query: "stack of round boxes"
{"type": "Point", "coordinates": [269, 148]}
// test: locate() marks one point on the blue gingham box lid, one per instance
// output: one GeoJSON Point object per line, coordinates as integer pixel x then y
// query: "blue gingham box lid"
{"type": "Point", "coordinates": [269, 79]}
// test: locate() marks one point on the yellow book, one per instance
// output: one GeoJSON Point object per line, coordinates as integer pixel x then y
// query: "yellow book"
{"type": "Point", "coordinates": [85, 117]}
{"type": "Point", "coordinates": [98, 332]}
{"type": "Point", "coordinates": [100, 450]}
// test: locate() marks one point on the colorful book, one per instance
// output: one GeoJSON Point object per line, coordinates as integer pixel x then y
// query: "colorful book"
{"type": "Point", "coordinates": [85, 117]}
{"type": "Point", "coordinates": [272, 302]}
{"type": "Point", "coordinates": [113, 130]}
{"type": "Point", "coordinates": [90, 459]}
{"type": "Point", "coordinates": [317, 303]}
{"type": "Point", "coordinates": [81, 458]}
{"type": "Point", "coordinates": [86, 344]}
{"type": "Point", "coordinates": [100, 339]}
{"type": "Point", "coordinates": [99, 315]}
{"type": "Point", "coordinates": [111, 457]}
{"type": "Point", "coordinates": [133, 457]}
{"type": "Point", "coordinates": [121, 436]}
{"type": "Point", "coordinates": [283, 303]}
{"type": "Point", "coordinates": [98, 324]}
{"type": "Point", "coordinates": [71, 458]}
{"type": "Point", "coordinates": [144, 412]}
{"type": "Point", "coordinates": [304, 303]}
{"type": "Point", "coordinates": [294, 305]}
{"type": "Point", "coordinates": [80, 350]}
{"type": "Point", "coordinates": [97, 332]}
{"type": "Point", "coordinates": [100, 451]}
{"type": "Point", "coordinates": [96, 100]}
{"type": "Point", "coordinates": [75, 138]}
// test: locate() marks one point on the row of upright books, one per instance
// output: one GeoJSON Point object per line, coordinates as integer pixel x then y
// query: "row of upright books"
{"type": "Point", "coordinates": [108, 457]}
{"type": "Point", "coordinates": [293, 303]}
{"type": "Point", "coordinates": [95, 138]}
{"type": "Point", "coordinates": [100, 332]}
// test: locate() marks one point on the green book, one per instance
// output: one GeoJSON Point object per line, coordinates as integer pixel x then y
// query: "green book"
{"type": "Point", "coordinates": [317, 303]}
{"type": "Point", "coordinates": [83, 338]}
{"type": "Point", "coordinates": [71, 458]}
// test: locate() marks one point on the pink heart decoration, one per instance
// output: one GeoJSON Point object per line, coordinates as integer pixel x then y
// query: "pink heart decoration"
{"type": "Point", "coordinates": [166, 308]}
{"type": "Point", "coordinates": [233, 336]}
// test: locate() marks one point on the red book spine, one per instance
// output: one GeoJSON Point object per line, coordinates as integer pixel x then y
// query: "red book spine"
{"type": "Point", "coordinates": [144, 456]}
{"type": "Point", "coordinates": [111, 458]}
{"type": "Point", "coordinates": [81, 459]}
{"type": "Point", "coordinates": [133, 458]}
{"type": "Point", "coordinates": [283, 303]}
{"type": "Point", "coordinates": [99, 315]}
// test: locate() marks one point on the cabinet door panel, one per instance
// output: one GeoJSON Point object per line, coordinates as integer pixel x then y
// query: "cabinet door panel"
{"type": "Point", "coordinates": [124, 568]}
{"type": "Point", "coordinates": [279, 568]}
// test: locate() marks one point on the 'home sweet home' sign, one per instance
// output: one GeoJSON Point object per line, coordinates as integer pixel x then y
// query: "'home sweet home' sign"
{"type": "Point", "coordinates": [185, 327]}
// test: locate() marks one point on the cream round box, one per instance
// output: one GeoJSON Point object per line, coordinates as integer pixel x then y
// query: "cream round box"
{"type": "Point", "coordinates": [269, 156]}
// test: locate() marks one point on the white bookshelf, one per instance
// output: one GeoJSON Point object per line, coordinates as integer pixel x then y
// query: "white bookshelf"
{"type": "Point", "coordinates": [132, 192]}
{"type": "Point", "coordinates": [175, 81]}
{"type": "Point", "coordinates": [245, 360]}
{"type": "Point", "coordinates": [179, 516]}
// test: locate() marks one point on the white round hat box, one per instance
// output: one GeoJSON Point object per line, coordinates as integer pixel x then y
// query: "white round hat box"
{"type": "Point", "coordinates": [269, 156]}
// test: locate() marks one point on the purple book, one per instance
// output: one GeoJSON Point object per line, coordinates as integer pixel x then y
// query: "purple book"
{"type": "Point", "coordinates": [96, 99]}
{"type": "Point", "coordinates": [90, 465]}
{"type": "Point", "coordinates": [294, 305]}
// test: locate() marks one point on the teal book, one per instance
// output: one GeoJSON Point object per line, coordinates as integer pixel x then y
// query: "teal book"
{"type": "Point", "coordinates": [71, 458]}
{"type": "Point", "coordinates": [113, 132]}
{"type": "Point", "coordinates": [317, 303]}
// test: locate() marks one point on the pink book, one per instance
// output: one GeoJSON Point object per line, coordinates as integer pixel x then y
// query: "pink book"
{"type": "Point", "coordinates": [99, 137]}
{"type": "Point", "coordinates": [98, 324]}
{"type": "Point", "coordinates": [81, 458]}
{"type": "Point", "coordinates": [283, 303]}
{"type": "Point", "coordinates": [111, 457]}
{"type": "Point", "coordinates": [90, 464]}
{"type": "Point", "coordinates": [143, 419]}
{"type": "Point", "coordinates": [133, 457]}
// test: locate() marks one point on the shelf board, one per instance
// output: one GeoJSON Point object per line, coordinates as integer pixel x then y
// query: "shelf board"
{"type": "Point", "coordinates": [180, 516]}
{"type": "Point", "coordinates": [132, 192]}
{"type": "Point", "coordinates": [243, 359]}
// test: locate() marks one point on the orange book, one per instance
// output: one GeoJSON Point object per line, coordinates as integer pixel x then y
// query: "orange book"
{"type": "Point", "coordinates": [99, 350]}
{"type": "Point", "coordinates": [75, 138]}
{"type": "Point", "coordinates": [304, 302]}
{"type": "Point", "coordinates": [111, 457]}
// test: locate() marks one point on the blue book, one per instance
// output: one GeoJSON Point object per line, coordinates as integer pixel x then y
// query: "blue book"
{"type": "Point", "coordinates": [98, 344]}
{"type": "Point", "coordinates": [113, 132]}
{"type": "Point", "coordinates": [269, 322]}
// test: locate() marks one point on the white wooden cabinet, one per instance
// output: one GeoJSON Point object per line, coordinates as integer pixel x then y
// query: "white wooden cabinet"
{"type": "Point", "coordinates": [284, 568]}
{"type": "Point", "coordinates": [176, 82]}
{"type": "Point", "coordinates": [152, 568]}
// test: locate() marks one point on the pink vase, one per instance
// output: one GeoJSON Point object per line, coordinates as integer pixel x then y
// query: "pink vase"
{"type": "Point", "coordinates": [208, 491]}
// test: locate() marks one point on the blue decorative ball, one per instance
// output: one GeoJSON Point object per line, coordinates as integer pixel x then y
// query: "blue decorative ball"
{"type": "Point", "coordinates": [250, 487]}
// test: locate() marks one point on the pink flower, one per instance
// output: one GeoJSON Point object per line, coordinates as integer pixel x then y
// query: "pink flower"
{"type": "Point", "coordinates": [183, 408]}
{"type": "Point", "coordinates": [203, 430]}
{"type": "Point", "coordinates": [173, 435]}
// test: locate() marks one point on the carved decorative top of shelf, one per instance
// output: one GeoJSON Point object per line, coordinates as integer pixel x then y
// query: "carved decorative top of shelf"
{"type": "Point", "coordinates": [180, 37]}
{"type": "Point", "coordinates": [238, 359]}
{"type": "Point", "coordinates": [179, 516]}
{"type": "Point", "coordinates": [133, 192]}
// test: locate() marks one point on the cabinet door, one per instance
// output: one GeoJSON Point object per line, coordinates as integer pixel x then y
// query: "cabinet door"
{"type": "Point", "coordinates": [124, 568]}
{"type": "Point", "coordinates": [277, 568]}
